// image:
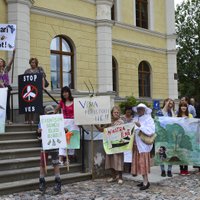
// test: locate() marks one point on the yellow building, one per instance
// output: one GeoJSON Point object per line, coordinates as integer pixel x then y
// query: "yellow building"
{"type": "Point", "coordinates": [123, 47]}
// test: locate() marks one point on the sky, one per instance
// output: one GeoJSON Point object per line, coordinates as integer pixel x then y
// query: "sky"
{"type": "Point", "coordinates": [177, 2]}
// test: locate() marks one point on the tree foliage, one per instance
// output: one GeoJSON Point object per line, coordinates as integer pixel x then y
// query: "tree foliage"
{"type": "Point", "coordinates": [187, 18]}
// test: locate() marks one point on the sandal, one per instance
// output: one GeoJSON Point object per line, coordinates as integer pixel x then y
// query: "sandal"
{"type": "Point", "coordinates": [120, 181]}
{"type": "Point", "coordinates": [110, 180]}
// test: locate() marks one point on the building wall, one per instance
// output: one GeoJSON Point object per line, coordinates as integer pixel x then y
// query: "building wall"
{"type": "Point", "coordinates": [128, 60]}
{"type": "Point", "coordinates": [44, 29]}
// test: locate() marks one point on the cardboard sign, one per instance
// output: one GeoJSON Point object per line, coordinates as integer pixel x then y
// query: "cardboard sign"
{"type": "Point", "coordinates": [30, 93]}
{"type": "Point", "coordinates": [3, 102]}
{"type": "Point", "coordinates": [53, 133]}
{"type": "Point", "coordinates": [118, 139]}
{"type": "Point", "coordinates": [92, 110]}
{"type": "Point", "coordinates": [73, 135]}
{"type": "Point", "coordinates": [180, 138]}
{"type": "Point", "coordinates": [7, 37]}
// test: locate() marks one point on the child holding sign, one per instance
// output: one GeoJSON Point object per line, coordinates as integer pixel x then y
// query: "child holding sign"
{"type": "Point", "coordinates": [54, 159]}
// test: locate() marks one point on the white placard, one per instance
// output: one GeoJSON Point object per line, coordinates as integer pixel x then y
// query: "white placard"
{"type": "Point", "coordinates": [53, 134]}
{"type": "Point", "coordinates": [92, 110]}
{"type": "Point", "coordinates": [3, 101]}
{"type": "Point", "coordinates": [7, 37]}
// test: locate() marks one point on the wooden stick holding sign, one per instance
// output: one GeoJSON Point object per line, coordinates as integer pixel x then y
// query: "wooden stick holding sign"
{"type": "Point", "coordinates": [45, 162]}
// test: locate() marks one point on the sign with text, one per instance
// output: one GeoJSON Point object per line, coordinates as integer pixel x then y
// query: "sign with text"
{"type": "Point", "coordinates": [118, 139]}
{"type": "Point", "coordinates": [177, 141]}
{"type": "Point", "coordinates": [73, 134]}
{"type": "Point", "coordinates": [30, 93]}
{"type": "Point", "coordinates": [3, 101]}
{"type": "Point", "coordinates": [7, 37]}
{"type": "Point", "coordinates": [92, 110]}
{"type": "Point", "coordinates": [53, 133]}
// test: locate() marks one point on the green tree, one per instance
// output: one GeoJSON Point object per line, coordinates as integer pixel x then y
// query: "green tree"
{"type": "Point", "coordinates": [187, 18]}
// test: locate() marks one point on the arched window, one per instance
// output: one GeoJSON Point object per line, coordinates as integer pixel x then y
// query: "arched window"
{"type": "Point", "coordinates": [62, 64]}
{"type": "Point", "coordinates": [144, 76]}
{"type": "Point", "coordinates": [114, 74]}
{"type": "Point", "coordinates": [142, 13]}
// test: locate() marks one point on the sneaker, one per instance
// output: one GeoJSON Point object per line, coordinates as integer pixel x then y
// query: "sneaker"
{"type": "Point", "coordinates": [182, 172]}
{"type": "Point", "coordinates": [169, 173]}
{"type": "Point", "coordinates": [42, 184]}
{"type": "Point", "coordinates": [57, 186]}
{"type": "Point", "coordinates": [186, 172]}
{"type": "Point", "coordinates": [163, 174]}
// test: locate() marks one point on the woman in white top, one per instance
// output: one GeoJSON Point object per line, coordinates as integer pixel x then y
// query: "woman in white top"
{"type": "Point", "coordinates": [141, 151]}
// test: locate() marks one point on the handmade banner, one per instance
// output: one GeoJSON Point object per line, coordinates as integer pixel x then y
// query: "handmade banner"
{"type": "Point", "coordinates": [30, 93]}
{"type": "Point", "coordinates": [7, 37]}
{"type": "Point", "coordinates": [92, 110]}
{"type": "Point", "coordinates": [118, 139]}
{"type": "Point", "coordinates": [73, 134]}
{"type": "Point", "coordinates": [3, 100]}
{"type": "Point", "coordinates": [177, 141]}
{"type": "Point", "coordinates": [53, 133]}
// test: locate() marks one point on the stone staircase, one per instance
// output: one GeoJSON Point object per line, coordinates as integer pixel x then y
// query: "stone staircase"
{"type": "Point", "coordinates": [19, 161]}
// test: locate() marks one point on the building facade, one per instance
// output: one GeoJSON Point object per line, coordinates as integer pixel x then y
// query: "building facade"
{"type": "Point", "coordinates": [123, 47]}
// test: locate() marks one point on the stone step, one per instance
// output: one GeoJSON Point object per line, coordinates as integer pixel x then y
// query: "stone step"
{"type": "Point", "coordinates": [33, 172]}
{"type": "Point", "coordinates": [19, 153]}
{"type": "Point", "coordinates": [18, 144]}
{"type": "Point", "coordinates": [24, 185]}
{"type": "Point", "coordinates": [21, 127]}
{"type": "Point", "coordinates": [18, 135]}
{"type": "Point", "coordinates": [19, 163]}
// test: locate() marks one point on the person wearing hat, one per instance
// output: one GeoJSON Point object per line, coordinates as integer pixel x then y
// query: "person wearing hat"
{"type": "Point", "coordinates": [141, 151]}
{"type": "Point", "coordinates": [49, 109]}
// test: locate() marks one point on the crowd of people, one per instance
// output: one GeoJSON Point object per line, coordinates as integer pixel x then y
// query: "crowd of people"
{"type": "Point", "coordinates": [140, 115]}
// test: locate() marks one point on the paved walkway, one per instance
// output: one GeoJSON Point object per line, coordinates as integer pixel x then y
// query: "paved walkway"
{"type": "Point", "coordinates": [176, 188]}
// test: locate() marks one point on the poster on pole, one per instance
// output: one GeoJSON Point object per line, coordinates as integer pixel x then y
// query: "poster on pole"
{"type": "Point", "coordinates": [92, 110]}
{"type": "Point", "coordinates": [118, 139]}
{"type": "Point", "coordinates": [3, 101]}
{"type": "Point", "coordinates": [30, 93]}
{"type": "Point", "coordinates": [7, 37]}
{"type": "Point", "coordinates": [177, 141]}
{"type": "Point", "coordinates": [73, 134]}
{"type": "Point", "coordinates": [53, 133]}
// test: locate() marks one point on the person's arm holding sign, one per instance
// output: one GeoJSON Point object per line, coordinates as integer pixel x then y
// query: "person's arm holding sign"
{"type": "Point", "coordinates": [8, 67]}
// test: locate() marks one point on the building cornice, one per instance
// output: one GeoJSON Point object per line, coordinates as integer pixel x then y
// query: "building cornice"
{"type": "Point", "coordinates": [140, 30]}
{"type": "Point", "coordinates": [104, 2]}
{"type": "Point", "coordinates": [90, 1]}
{"type": "Point", "coordinates": [26, 2]}
{"type": "Point", "coordinates": [61, 15]}
{"type": "Point", "coordinates": [173, 36]}
{"type": "Point", "coordinates": [104, 22]}
{"type": "Point", "coordinates": [139, 46]}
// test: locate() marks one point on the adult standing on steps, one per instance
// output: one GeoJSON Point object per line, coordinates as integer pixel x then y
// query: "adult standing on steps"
{"type": "Point", "coordinates": [141, 151]}
{"type": "Point", "coordinates": [34, 69]}
{"type": "Point", "coordinates": [4, 81]}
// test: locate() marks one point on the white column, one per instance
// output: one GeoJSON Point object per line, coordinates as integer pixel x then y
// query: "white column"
{"type": "Point", "coordinates": [171, 49]}
{"type": "Point", "coordinates": [19, 14]}
{"type": "Point", "coordinates": [104, 45]}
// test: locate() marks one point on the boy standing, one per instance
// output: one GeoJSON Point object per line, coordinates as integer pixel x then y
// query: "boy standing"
{"type": "Point", "coordinates": [54, 159]}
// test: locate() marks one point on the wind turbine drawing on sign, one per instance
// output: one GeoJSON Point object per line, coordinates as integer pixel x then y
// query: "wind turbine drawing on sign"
{"type": "Point", "coordinates": [29, 93]}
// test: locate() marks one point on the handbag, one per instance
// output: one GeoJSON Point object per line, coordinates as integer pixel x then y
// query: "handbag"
{"type": "Point", "coordinates": [147, 139]}
{"type": "Point", "coordinates": [46, 83]}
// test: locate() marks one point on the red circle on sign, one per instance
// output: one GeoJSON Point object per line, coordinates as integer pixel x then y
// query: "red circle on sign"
{"type": "Point", "coordinates": [29, 93]}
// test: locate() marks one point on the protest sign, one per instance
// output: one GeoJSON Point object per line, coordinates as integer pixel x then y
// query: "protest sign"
{"type": "Point", "coordinates": [53, 133]}
{"type": "Point", "coordinates": [92, 110]}
{"type": "Point", "coordinates": [180, 138]}
{"type": "Point", "coordinates": [73, 134]}
{"type": "Point", "coordinates": [118, 139]}
{"type": "Point", "coordinates": [7, 37]}
{"type": "Point", "coordinates": [3, 101]}
{"type": "Point", "coordinates": [30, 93]}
